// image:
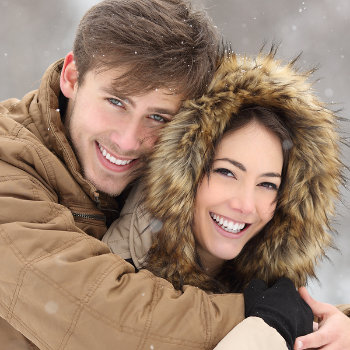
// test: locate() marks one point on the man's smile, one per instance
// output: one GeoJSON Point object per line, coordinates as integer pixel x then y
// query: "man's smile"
{"type": "Point", "coordinates": [113, 159]}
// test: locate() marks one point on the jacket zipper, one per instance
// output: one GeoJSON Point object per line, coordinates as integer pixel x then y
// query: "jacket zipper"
{"type": "Point", "coordinates": [89, 216]}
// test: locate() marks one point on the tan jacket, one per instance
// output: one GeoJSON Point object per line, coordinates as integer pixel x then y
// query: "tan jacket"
{"type": "Point", "coordinates": [61, 287]}
{"type": "Point", "coordinates": [130, 236]}
{"type": "Point", "coordinates": [299, 233]}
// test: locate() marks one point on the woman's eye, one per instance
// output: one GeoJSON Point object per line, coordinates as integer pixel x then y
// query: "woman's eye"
{"type": "Point", "coordinates": [158, 118]}
{"type": "Point", "coordinates": [225, 172]}
{"type": "Point", "coordinates": [115, 102]}
{"type": "Point", "coordinates": [269, 186]}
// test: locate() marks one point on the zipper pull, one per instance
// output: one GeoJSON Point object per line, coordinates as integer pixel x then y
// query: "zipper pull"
{"type": "Point", "coordinates": [97, 199]}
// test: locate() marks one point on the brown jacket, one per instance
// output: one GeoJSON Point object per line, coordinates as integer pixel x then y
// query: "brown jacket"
{"type": "Point", "coordinates": [130, 236]}
{"type": "Point", "coordinates": [61, 287]}
{"type": "Point", "coordinates": [297, 237]}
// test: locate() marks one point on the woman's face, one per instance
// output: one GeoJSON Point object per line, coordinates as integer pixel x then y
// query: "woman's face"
{"type": "Point", "coordinates": [238, 198]}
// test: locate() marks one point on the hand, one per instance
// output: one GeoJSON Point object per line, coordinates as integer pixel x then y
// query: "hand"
{"type": "Point", "coordinates": [280, 306]}
{"type": "Point", "coordinates": [333, 331]}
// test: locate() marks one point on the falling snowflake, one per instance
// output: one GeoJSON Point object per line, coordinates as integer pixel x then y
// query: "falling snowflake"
{"type": "Point", "coordinates": [51, 307]}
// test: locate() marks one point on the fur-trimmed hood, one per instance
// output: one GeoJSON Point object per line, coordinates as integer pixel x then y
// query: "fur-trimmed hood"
{"type": "Point", "coordinates": [299, 232]}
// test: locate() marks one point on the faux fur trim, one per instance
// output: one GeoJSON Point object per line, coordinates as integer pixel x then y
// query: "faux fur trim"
{"type": "Point", "coordinates": [298, 235]}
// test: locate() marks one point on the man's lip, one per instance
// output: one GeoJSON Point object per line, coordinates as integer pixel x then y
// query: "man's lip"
{"type": "Point", "coordinates": [113, 154]}
{"type": "Point", "coordinates": [111, 166]}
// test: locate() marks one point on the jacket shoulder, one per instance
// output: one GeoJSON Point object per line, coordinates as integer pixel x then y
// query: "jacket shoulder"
{"type": "Point", "coordinates": [7, 105]}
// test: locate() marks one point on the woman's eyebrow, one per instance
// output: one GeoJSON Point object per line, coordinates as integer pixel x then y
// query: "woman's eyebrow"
{"type": "Point", "coordinates": [234, 162]}
{"type": "Point", "coordinates": [243, 168]}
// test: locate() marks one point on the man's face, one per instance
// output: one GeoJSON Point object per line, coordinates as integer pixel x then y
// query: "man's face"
{"type": "Point", "coordinates": [110, 132]}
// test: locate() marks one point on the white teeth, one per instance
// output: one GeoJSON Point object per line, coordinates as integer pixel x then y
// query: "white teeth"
{"type": "Point", "coordinates": [227, 225]}
{"type": "Point", "coordinates": [113, 159]}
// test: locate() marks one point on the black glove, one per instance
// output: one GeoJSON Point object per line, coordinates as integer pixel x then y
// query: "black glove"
{"type": "Point", "coordinates": [280, 306]}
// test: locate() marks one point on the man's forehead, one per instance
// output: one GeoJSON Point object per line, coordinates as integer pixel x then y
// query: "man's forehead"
{"type": "Point", "coordinates": [110, 74]}
{"type": "Point", "coordinates": [119, 81]}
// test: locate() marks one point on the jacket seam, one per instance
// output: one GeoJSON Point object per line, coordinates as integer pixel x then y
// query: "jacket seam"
{"type": "Point", "coordinates": [173, 340]}
{"type": "Point", "coordinates": [25, 326]}
{"type": "Point", "coordinates": [53, 126]}
{"type": "Point", "coordinates": [80, 304]}
{"type": "Point", "coordinates": [208, 331]}
{"type": "Point", "coordinates": [10, 108]}
{"type": "Point", "coordinates": [36, 148]}
{"type": "Point", "coordinates": [85, 300]}
{"type": "Point", "coordinates": [148, 323]}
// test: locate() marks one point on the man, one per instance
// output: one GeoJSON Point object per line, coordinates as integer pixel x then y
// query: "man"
{"type": "Point", "coordinates": [68, 151]}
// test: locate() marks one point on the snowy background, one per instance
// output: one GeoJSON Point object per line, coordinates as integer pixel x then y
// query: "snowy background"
{"type": "Point", "coordinates": [35, 33]}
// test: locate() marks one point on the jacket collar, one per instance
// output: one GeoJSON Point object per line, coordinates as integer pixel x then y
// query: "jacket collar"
{"type": "Point", "coordinates": [45, 112]}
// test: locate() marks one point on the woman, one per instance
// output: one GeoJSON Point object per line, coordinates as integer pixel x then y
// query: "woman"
{"type": "Point", "coordinates": [184, 164]}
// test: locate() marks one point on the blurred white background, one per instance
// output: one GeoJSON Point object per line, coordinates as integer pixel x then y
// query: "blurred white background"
{"type": "Point", "coordinates": [35, 33]}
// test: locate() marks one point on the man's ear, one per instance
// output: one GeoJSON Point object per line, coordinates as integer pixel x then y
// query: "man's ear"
{"type": "Point", "coordinates": [69, 76]}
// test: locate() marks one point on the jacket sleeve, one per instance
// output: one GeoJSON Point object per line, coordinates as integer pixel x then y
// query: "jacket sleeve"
{"type": "Point", "coordinates": [63, 289]}
{"type": "Point", "coordinates": [344, 308]}
{"type": "Point", "coordinates": [130, 235]}
{"type": "Point", "coordinates": [252, 333]}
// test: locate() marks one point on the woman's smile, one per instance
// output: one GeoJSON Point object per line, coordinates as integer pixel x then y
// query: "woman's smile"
{"type": "Point", "coordinates": [227, 224]}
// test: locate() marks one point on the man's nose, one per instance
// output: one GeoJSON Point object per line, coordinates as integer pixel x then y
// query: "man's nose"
{"type": "Point", "coordinates": [128, 136]}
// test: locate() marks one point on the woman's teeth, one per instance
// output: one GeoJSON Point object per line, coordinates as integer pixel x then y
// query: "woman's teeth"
{"type": "Point", "coordinates": [113, 159]}
{"type": "Point", "coordinates": [227, 225]}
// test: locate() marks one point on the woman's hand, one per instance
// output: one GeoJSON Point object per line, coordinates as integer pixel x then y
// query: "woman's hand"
{"type": "Point", "coordinates": [333, 331]}
{"type": "Point", "coordinates": [280, 306]}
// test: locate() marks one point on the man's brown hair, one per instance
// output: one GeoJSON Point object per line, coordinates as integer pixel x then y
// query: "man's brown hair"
{"type": "Point", "coordinates": [160, 43]}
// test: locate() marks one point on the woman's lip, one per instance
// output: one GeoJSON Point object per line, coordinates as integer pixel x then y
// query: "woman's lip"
{"type": "Point", "coordinates": [228, 219]}
{"type": "Point", "coordinates": [229, 234]}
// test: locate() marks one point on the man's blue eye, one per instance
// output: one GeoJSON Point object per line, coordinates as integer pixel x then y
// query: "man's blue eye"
{"type": "Point", "coordinates": [115, 102]}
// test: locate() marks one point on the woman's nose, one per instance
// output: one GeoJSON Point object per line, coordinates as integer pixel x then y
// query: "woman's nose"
{"type": "Point", "coordinates": [243, 201]}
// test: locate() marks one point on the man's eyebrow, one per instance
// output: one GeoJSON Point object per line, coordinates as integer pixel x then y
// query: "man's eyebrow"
{"type": "Point", "coordinates": [110, 90]}
{"type": "Point", "coordinates": [127, 99]}
{"type": "Point", "coordinates": [243, 168]}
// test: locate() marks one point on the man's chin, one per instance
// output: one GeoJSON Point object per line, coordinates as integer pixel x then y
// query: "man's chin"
{"type": "Point", "coordinates": [111, 189]}
{"type": "Point", "coordinates": [112, 185]}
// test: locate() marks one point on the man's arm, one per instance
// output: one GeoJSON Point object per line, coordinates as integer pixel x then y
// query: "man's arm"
{"type": "Point", "coordinates": [63, 289]}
